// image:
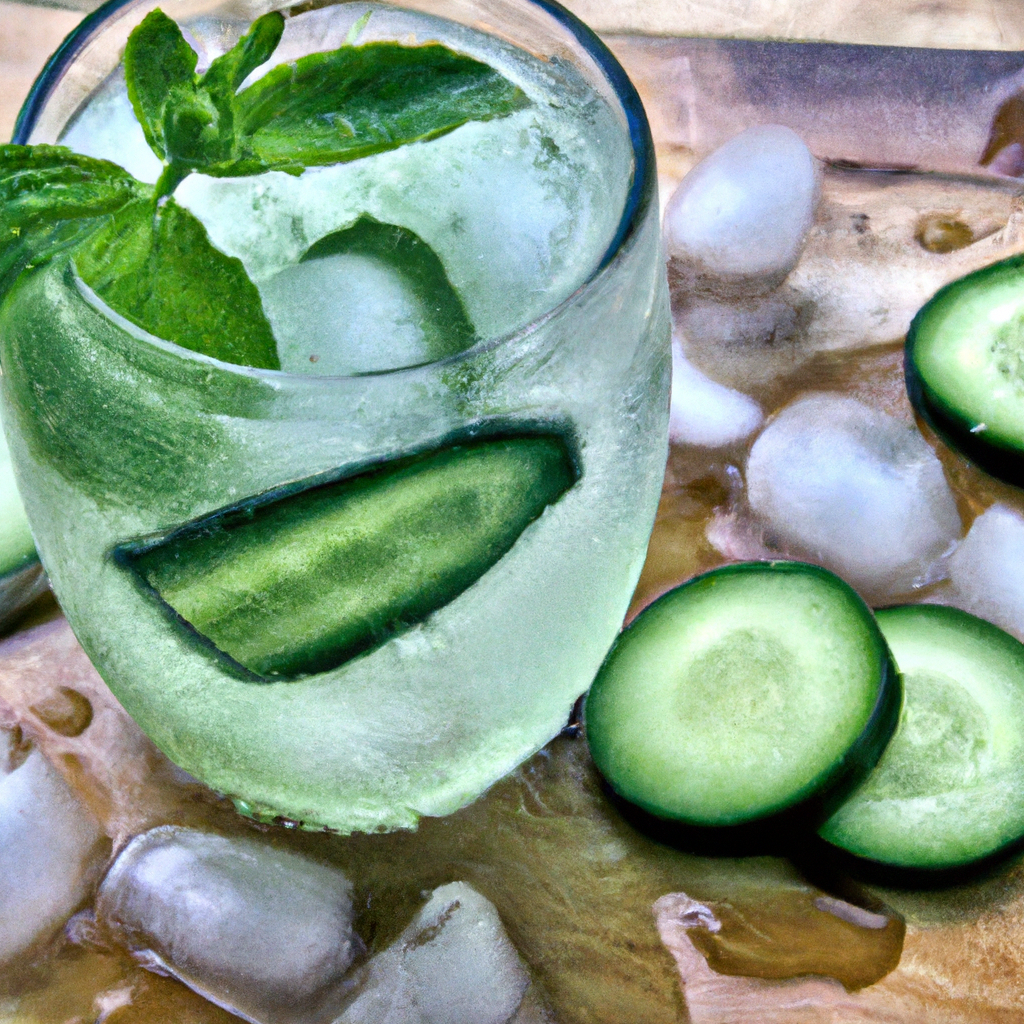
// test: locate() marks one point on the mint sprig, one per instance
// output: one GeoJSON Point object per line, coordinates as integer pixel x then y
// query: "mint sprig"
{"type": "Point", "coordinates": [325, 108]}
{"type": "Point", "coordinates": [150, 259]}
{"type": "Point", "coordinates": [190, 120]}
{"type": "Point", "coordinates": [50, 198]}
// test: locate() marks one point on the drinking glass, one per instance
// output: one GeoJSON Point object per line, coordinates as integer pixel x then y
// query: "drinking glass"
{"type": "Point", "coordinates": [119, 437]}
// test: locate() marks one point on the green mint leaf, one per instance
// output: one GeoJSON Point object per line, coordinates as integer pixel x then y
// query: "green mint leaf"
{"type": "Point", "coordinates": [160, 270]}
{"type": "Point", "coordinates": [159, 66]}
{"type": "Point", "coordinates": [226, 73]}
{"type": "Point", "coordinates": [50, 198]}
{"type": "Point", "coordinates": [446, 325]}
{"type": "Point", "coordinates": [332, 107]}
{"type": "Point", "coordinates": [189, 120]}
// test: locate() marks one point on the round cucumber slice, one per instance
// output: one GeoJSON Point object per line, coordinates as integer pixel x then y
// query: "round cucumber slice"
{"type": "Point", "coordinates": [965, 367]}
{"type": "Point", "coordinates": [949, 789]}
{"type": "Point", "coordinates": [748, 691]}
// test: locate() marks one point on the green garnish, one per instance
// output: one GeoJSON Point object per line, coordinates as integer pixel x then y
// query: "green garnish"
{"type": "Point", "coordinates": [177, 284]}
{"type": "Point", "coordinates": [191, 121]}
{"type": "Point", "coordinates": [50, 198]}
{"type": "Point", "coordinates": [148, 258]}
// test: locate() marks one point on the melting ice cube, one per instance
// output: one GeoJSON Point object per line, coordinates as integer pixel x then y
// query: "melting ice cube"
{"type": "Point", "coordinates": [265, 933]}
{"type": "Point", "coordinates": [856, 490]}
{"type": "Point", "coordinates": [705, 412]}
{"type": "Point", "coordinates": [739, 219]}
{"type": "Point", "coordinates": [50, 849]}
{"type": "Point", "coordinates": [984, 569]}
{"type": "Point", "coordinates": [453, 965]}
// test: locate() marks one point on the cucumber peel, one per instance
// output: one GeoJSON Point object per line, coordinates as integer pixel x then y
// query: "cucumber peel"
{"type": "Point", "coordinates": [754, 690]}
{"type": "Point", "coordinates": [299, 584]}
{"type": "Point", "coordinates": [949, 789]}
{"type": "Point", "coordinates": [964, 367]}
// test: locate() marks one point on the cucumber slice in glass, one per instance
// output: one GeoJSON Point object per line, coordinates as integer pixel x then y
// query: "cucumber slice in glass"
{"type": "Point", "coordinates": [752, 690]}
{"type": "Point", "coordinates": [298, 584]}
{"type": "Point", "coordinates": [949, 789]}
{"type": "Point", "coordinates": [965, 367]}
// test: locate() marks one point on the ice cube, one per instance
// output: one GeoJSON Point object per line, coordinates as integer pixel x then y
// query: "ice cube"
{"type": "Point", "coordinates": [265, 933]}
{"type": "Point", "coordinates": [739, 219]}
{"type": "Point", "coordinates": [107, 128]}
{"type": "Point", "coordinates": [983, 571]}
{"type": "Point", "coordinates": [50, 849]}
{"type": "Point", "coordinates": [704, 412]}
{"type": "Point", "coordinates": [453, 965]}
{"type": "Point", "coordinates": [855, 490]}
{"type": "Point", "coordinates": [344, 314]}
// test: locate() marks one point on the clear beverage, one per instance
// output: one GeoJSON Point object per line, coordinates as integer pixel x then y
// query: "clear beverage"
{"type": "Point", "coordinates": [545, 223]}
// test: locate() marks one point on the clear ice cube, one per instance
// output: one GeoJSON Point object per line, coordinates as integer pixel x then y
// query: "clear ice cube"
{"type": "Point", "coordinates": [265, 933]}
{"type": "Point", "coordinates": [707, 413]}
{"type": "Point", "coordinates": [50, 849]}
{"type": "Point", "coordinates": [983, 569]}
{"type": "Point", "coordinates": [454, 964]}
{"type": "Point", "coordinates": [855, 490]}
{"type": "Point", "coordinates": [741, 216]}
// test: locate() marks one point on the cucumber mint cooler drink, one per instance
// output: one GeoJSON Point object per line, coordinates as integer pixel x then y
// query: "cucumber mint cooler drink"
{"type": "Point", "coordinates": [335, 352]}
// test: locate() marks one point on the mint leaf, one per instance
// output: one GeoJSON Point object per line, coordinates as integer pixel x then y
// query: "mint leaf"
{"type": "Point", "coordinates": [332, 107]}
{"type": "Point", "coordinates": [159, 68]}
{"type": "Point", "coordinates": [324, 108]}
{"type": "Point", "coordinates": [227, 73]}
{"type": "Point", "coordinates": [189, 120]}
{"type": "Point", "coordinates": [446, 325]}
{"type": "Point", "coordinates": [50, 198]}
{"type": "Point", "coordinates": [160, 270]}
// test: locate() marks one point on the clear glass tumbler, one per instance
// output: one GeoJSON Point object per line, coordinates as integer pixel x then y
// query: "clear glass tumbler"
{"type": "Point", "coordinates": [121, 439]}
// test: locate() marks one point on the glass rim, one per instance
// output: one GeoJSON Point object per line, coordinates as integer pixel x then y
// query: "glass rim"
{"type": "Point", "coordinates": [642, 187]}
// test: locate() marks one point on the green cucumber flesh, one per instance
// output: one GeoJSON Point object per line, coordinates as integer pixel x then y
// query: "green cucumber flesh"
{"type": "Point", "coordinates": [752, 690]}
{"type": "Point", "coordinates": [949, 789]}
{"type": "Point", "coordinates": [965, 367]}
{"type": "Point", "coordinates": [299, 584]}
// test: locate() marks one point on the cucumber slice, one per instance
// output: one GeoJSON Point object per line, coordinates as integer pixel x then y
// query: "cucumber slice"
{"type": "Point", "coordinates": [949, 789]}
{"type": "Point", "coordinates": [751, 690]}
{"type": "Point", "coordinates": [299, 584]}
{"type": "Point", "coordinates": [965, 367]}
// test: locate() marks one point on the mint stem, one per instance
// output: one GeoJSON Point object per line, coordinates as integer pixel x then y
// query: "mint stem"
{"type": "Point", "coordinates": [173, 175]}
